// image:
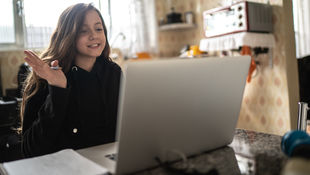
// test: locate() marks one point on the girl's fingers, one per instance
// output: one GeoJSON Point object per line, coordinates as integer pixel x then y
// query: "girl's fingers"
{"type": "Point", "coordinates": [32, 54]}
{"type": "Point", "coordinates": [30, 57]}
{"type": "Point", "coordinates": [41, 68]}
{"type": "Point", "coordinates": [27, 54]}
{"type": "Point", "coordinates": [54, 63]}
{"type": "Point", "coordinates": [35, 62]}
{"type": "Point", "coordinates": [29, 61]}
{"type": "Point", "coordinates": [34, 58]}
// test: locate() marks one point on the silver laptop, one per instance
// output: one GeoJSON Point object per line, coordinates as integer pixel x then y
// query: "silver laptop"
{"type": "Point", "coordinates": [189, 105]}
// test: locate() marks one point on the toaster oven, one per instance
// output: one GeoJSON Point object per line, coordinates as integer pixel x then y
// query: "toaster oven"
{"type": "Point", "coordinates": [239, 17]}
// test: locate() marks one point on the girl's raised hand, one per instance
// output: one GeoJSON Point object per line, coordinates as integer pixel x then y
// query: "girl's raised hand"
{"type": "Point", "coordinates": [53, 75]}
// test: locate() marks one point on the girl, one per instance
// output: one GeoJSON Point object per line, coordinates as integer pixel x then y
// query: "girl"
{"type": "Point", "coordinates": [70, 99]}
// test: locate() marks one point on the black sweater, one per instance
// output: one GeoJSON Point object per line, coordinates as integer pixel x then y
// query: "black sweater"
{"type": "Point", "coordinates": [82, 115]}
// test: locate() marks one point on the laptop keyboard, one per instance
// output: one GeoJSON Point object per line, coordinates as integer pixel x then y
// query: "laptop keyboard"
{"type": "Point", "coordinates": [112, 156]}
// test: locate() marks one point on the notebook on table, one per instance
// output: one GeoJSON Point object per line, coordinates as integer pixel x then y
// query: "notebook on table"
{"type": "Point", "coordinates": [62, 162]}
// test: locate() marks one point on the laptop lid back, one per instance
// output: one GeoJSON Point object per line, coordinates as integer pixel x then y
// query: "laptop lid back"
{"type": "Point", "coordinates": [189, 105]}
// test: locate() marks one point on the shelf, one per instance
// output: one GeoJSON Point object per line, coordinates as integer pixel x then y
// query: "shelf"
{"type": "Point", "coordinates": [176, 26]}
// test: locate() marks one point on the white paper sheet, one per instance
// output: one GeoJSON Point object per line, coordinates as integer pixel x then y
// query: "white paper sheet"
{"type": "Point", "coordinates": [65, 162]}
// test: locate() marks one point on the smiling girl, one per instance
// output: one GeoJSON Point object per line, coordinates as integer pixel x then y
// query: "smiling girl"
{"type": "Point", "coordinates": [70, 98]}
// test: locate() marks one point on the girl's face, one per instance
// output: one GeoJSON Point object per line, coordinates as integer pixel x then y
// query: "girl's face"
{"type": "Point", "coordinates": [91, 39]}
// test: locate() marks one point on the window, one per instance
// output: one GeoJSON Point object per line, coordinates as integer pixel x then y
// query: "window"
{"type": "Point", "coordinates": [30, 23]}
{"type": "Point", "coordinates": [7, 31]}
{"type": "Point", "coordinates": [11, 35]}
{"type": "Point", "coordinates": [302, 27]}
{"type": "Point", "coordinates": [41, 18]}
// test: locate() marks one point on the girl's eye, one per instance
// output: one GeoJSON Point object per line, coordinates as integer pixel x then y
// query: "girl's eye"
{"type": "Point", "coordinates": [99, 29]}
{"type": "Point", "coordinates": [83, 31]}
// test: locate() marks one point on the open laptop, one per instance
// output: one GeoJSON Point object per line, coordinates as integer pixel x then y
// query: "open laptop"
{"type": "Point", "coordinates": [189, 105]}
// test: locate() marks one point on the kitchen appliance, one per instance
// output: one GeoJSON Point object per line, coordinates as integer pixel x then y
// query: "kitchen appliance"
{"type": "Point", "coordinates": [174, 17]}
{"type": "Point", "coordinates": [239, 17]}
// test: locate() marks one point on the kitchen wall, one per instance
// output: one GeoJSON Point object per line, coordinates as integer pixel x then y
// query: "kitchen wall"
{"type": "Point", "coordinates": [266, 106]}
{"type": "Point", "coordinates": [172, 41]}
{"type": "Point", "coordinates": [9, 65]}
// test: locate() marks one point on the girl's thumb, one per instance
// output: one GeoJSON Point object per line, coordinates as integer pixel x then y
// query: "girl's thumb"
{"type": "Point", "coordinates": [54, 63]}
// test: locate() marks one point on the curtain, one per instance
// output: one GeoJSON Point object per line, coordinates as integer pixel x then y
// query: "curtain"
{"type": "Point", "coordinates": [302, 27]}
{"type": "Point", "coordinates": [133, 26]}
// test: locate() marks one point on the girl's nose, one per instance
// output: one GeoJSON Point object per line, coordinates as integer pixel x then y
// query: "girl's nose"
{"type": "Point", "coordinates": [92, 35]}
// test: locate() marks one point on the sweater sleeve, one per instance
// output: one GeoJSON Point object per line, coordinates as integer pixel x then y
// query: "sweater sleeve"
{"type": "Point", "coordinates": [43, 117]}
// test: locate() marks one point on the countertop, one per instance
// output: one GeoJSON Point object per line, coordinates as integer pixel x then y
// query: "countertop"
{"type": "Point", "coordinates": [249, 153]}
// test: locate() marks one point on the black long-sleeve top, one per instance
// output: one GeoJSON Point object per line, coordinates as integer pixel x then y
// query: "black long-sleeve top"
{"type": "Point", "coordinates": [83, 114]}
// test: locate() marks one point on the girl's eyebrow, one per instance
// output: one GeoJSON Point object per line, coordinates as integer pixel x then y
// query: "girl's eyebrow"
{"type": "Point", "coordinates": [86, 25]}
{"type": "Point", "coordinates": [98, 23]}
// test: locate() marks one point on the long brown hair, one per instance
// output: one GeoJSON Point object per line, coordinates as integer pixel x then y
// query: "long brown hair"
{"type": "Point", "coordinates": [62, 47]}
